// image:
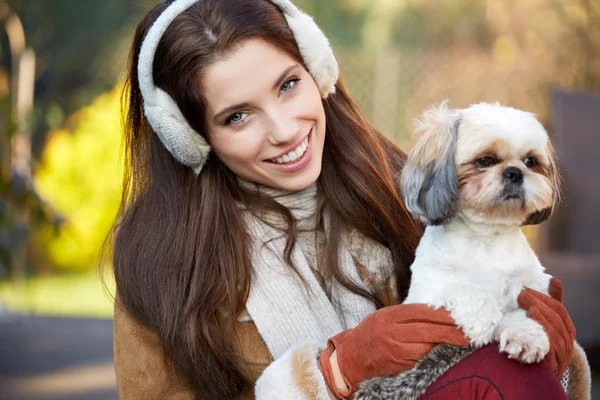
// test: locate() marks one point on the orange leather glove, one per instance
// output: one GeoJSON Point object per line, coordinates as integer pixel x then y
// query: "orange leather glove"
{"type": "Point", "coordinates": [549, 312]}
{"type": "Point", "coordinates": [387, 342]}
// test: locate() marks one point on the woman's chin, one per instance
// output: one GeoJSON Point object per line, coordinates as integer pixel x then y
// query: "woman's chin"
{"type": "Point", "coordinates": [298, 182]}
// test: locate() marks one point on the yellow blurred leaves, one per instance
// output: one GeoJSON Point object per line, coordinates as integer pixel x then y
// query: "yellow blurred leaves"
{"type": "Point", "coordinates": [505, 50]}
{"type": "Point", "coordinates": [577, 14]}
{"type": "Point", "coordinates": [380, 6]}
{"type": "Point", "coordinates": [80, 177]}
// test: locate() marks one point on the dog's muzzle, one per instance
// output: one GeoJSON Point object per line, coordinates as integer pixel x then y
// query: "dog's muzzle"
{"type": "Point", "coordinates": [513, 184]}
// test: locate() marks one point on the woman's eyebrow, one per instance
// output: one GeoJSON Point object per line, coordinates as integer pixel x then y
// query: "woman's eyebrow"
{"type": "Point", "coordinates": [230, 110]}
{"type": "Point", "coordinates": [278, 83]}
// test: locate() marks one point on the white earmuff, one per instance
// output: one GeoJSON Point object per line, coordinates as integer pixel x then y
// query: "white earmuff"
{"type": "Point", "coordinates": [184, 143]}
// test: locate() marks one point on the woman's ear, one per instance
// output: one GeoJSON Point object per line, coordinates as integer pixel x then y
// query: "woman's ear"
{"type": "Point", "coordinates": [429, 178]}
{"type": "Point", "coordinates": [555, 180]}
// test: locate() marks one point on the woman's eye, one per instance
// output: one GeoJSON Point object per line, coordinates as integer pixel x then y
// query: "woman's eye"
{"type": "Point", "coordinates": [486, 162]}
{"type": "Point", "coordinates": [289, 85]}
{"type": "Point", "coordinates": [235, 119]}
{"type": "Point", "coordinates": [530, 162]}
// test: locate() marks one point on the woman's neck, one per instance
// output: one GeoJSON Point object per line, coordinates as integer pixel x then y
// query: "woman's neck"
{"type": "Point", "coordinates": [302, 204]}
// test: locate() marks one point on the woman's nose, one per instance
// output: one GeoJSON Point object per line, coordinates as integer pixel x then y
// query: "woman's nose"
{"type": "Point", "coordinates": [282, 128]}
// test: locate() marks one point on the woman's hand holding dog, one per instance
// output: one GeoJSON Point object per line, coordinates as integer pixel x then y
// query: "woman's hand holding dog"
{"type": "Point", "coordinates": [387, 342]}
{"type": "Point", "coordinates": [549, 312]}
{"type": "Point", "coordinates": [392, 339]}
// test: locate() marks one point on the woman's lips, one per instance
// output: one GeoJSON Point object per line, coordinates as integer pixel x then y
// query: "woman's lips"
{"type": "Point", "coordinates": [298, 164]}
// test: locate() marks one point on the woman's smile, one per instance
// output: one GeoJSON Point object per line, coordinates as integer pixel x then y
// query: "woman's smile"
{"type": "Point", "coordinates": [294, 160]}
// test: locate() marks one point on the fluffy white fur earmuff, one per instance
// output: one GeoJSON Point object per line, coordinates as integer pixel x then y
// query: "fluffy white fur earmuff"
{"type": "Point", "coordinates": [183, 142]}
{"type": "Point", "coordinates": [314, 47]}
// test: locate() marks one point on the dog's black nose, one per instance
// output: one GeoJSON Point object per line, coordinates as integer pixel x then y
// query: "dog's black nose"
{"type": "Point", "coordinates": [513, 174]}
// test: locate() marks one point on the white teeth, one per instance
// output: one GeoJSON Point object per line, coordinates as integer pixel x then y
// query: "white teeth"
{"type": "Point", "coordinates": [294, 154]}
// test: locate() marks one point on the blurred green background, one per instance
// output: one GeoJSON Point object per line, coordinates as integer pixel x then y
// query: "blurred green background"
{"type": "Point", "coordinates": [62, 63]}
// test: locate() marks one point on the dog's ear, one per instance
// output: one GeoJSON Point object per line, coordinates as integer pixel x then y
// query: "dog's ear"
{"type": "Point", "coordinates": [555, 180]}
{"type": "Point", "coordinates": [430, 178]}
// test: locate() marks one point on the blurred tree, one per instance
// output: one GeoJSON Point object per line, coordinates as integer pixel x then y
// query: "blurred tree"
{"type": "Point", "coordinates": [82, 51]}
{"type": "Point", "coordinates": [578, 56]}
{"type": "Point", "coordinates": [434, 24]}
{"type": "Point", "coordinates": [563, 34]}
{"type": "Point", "coordinates": [381, 17]}
{"type": "Point", "coordinates": [20, 206]}
{"type": "Point", "coordinates": [80, 176]}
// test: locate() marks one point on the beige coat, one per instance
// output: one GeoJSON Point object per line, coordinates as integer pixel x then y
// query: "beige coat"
{"type": "Point", "coordinates": [140, 366]}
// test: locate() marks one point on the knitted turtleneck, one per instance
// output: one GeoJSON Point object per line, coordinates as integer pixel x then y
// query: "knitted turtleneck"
{"type": "Point", "coordinates": [287, 311]}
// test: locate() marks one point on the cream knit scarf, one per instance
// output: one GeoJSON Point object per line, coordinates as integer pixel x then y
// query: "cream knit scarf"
{"type": "Point", "coordinates": [286, 311]}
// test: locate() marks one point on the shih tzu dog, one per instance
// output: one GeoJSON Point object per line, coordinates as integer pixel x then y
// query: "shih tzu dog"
{"type": "Point", "coordinates": [475, 177]}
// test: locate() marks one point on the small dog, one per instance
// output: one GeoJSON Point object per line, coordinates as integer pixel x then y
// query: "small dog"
{"type": "Point", "coordinates": [474, 178]}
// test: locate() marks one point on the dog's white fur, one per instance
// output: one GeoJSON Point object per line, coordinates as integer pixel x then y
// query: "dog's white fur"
{"type": "Point", "coordinates": [474, 259]}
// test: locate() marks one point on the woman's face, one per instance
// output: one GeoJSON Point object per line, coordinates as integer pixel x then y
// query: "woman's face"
{"type": "Point", "coordinates": [265, 116]}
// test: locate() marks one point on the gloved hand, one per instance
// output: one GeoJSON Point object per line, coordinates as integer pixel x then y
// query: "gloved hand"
{"type": "Point", "coordinates": [387, 342]}
{"type": "Point", "coordinates": [549, 312]}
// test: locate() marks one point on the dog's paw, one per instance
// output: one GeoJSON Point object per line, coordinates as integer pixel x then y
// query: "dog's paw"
{"type": "Point", "coordinates": [479, 327]}
{"type": "Point", "coordinates": [479, 336]}
{"type": "Point", "coordinates": [526, 341]}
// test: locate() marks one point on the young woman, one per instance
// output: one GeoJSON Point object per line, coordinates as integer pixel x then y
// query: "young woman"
{"type": "Point", "coordinates": [262, 222]}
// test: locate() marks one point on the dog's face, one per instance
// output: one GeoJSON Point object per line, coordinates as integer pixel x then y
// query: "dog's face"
{"type": "Point", "coordinates": [493, 164]}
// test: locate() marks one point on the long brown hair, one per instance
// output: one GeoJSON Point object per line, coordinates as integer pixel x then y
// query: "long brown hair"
{"type": "Point", "coordinates": [181, 259]}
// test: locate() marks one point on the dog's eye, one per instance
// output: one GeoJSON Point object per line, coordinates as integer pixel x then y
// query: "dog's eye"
{"type": "Point", "coordinates": [486, 162]}
{"type": "Point", "coordinates": [530, 162]}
